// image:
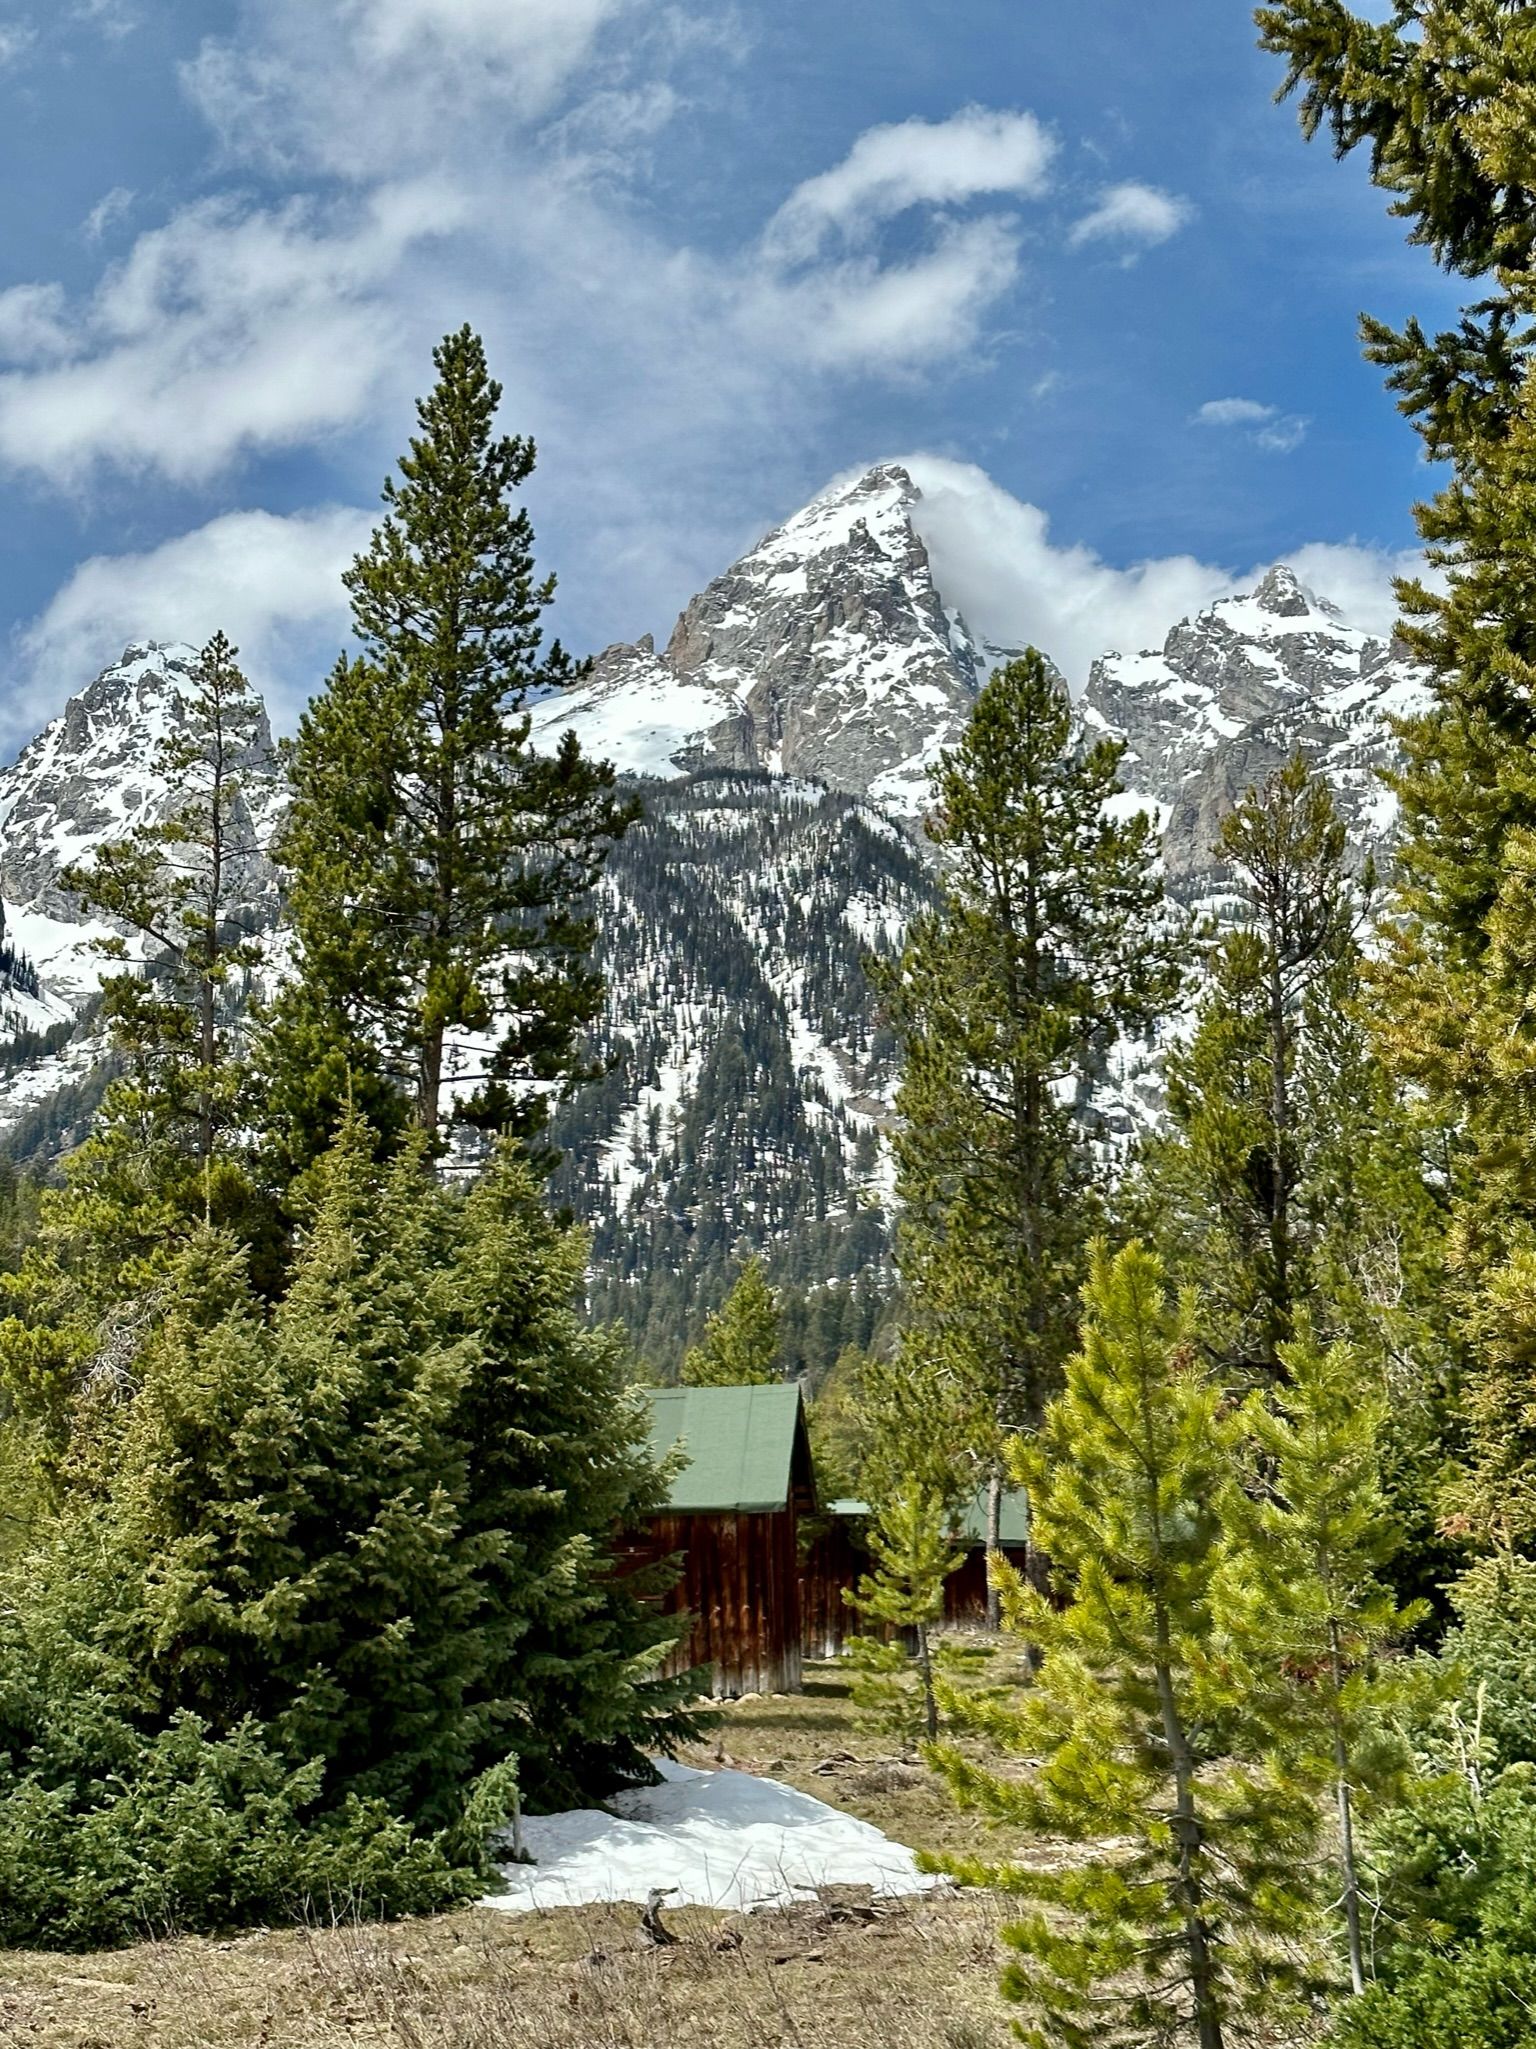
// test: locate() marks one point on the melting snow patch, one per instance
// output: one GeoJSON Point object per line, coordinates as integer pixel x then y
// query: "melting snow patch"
{"type": "Point", "coordinates": [720, 1839]}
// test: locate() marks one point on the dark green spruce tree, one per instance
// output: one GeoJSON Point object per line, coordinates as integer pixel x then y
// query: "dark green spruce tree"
{"type": "Point", "coordinates": [439, 866]}
{"type": "Point", "coordinates": [1049, 945]}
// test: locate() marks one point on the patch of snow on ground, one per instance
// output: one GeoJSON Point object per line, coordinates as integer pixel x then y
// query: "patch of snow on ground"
{"type": "Point", "coordinates": [719, 1839]}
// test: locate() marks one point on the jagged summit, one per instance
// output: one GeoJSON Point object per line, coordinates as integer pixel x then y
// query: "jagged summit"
{"type": "Point", "coordinates": [826, 651]}
{"type": "Point", "coordinates": [1283, 593]}
{"type": "Point", "coordinates": [1233, 692]}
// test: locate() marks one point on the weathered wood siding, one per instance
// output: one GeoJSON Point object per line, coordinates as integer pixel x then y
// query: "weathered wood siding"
{"type": "Point", "coordinates": [833, 1563]}
{"type": "Point", "coordinates": [741, 1584]}
{"type": "Point", "coordinates": [965, 1591]}
{"type": "Point", "coordinates": [836, 1561]}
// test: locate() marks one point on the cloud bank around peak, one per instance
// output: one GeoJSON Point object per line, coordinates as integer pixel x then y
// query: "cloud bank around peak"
{"type": "Point", "coordinates": [995, 561]}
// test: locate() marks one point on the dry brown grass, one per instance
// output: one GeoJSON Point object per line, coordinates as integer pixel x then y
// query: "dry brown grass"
{"type": "Point", "coordinates": [839, 1974]}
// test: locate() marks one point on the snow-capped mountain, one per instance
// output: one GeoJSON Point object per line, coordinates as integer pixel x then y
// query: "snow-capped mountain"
{"type": "Point", "coordinates": [830, 652]}
{"type": "Point", "coordinates": [825, 652]}
{"type": "Point", "coordinates": [1233, 694]}
{"type": "Point", "coordinates": [782, 739]}
{"type": "Point", "coordinates": [89, 778]}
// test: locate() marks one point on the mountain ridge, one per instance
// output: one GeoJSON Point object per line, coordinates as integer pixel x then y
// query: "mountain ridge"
{"type": "Point", "coordinates": [783, 738]}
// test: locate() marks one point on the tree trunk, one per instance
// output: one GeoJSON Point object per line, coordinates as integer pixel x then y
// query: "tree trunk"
{"type": "Point", "coordinates": [1188, 1834]}
{"type": "Point", "coordinates": [994, 1547]}
{"type": "Point", "coordinates": [1346, 1825]}
{"type": "Point", "coordinates": [925, 1672]}
{"type": "Point", "coordinates": [430, 1084]}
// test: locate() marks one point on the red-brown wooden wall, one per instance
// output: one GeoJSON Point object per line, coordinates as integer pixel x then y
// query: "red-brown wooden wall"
{"type": "Point", "coordinates": [741, 1584]}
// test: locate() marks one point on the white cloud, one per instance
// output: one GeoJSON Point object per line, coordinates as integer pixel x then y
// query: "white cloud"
{"type": "Point", "coordinates": [33, 327]}
{"type": "Point", "coordinates": [115, 18]}
{"type": "Point", "coordinates": [1233, 412]}
{"type": "Point", "coordinates": [112, 207]}
{"type": "Point", "coordinates": [1140, 215]}
{"type": "Point", "coordinates": [226, 330]}
{"type": "Point", "coordinates": [273, 584]}
{"type": "Point", "coordinates": [16, 38]}
{"type": "Point", "coordinates": [1265, 425]}
{"type": "Point", "coordinates": [976, 153]}
{"type": "Point", "coordinates": [994, 558]}
{"type": "Point", "coordinates": [890, 317]}
{"type": "Point", "coordinates": [418, 72]}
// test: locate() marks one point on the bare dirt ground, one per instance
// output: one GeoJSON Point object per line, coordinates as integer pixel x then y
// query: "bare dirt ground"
{"type": "Point", "coordinates": [843, 1973]}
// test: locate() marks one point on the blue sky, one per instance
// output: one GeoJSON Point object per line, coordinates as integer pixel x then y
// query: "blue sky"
{"type": "Point", "coordinates": [1073, 258]}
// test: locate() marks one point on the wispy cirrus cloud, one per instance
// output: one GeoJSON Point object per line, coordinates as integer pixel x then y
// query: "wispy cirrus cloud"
{"type": "Point", "coordinates": [16, 39]}
{"type": "Point", "coordinates": [229, 329]}
{"type": "Point", "coordinates": [978, 153]}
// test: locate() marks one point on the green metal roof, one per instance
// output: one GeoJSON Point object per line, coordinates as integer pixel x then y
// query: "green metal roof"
{"type": "Point", "coordinates": [746, 1446]}
{"type": "Point", "coordinates": [1013, 1528]}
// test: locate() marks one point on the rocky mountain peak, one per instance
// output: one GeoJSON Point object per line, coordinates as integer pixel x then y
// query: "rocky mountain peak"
{"type": "Point", "coordinates": [825, 651]}
{"type": "Point", "coordinates": [1283, 593]}
{"type": "Point", "coordinates": [1233, 693]}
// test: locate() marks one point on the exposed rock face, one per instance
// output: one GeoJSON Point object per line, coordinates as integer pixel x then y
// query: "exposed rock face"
{"type": "Point", "coordinates": [1233, 694]}
{"type": "Point", "coordinates": [826, 652]}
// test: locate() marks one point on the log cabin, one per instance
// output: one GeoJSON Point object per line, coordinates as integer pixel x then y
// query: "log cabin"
{"type": "Point", "coordinates": [733, 1515]}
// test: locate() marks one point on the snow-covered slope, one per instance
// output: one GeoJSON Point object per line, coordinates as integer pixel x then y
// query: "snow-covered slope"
{"type": "Point", "coordinates": [88, 778]}
{"type": "Point", "coordinates": [784, 734]}
{"type": "Point", "coordinates": [750, 1075]}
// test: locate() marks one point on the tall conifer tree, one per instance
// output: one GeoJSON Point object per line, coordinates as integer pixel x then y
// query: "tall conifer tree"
{"type": "Point", "coordinates": [1048, 945]}
{"type": "Point", "coordinates": [439, 866]}
{"type": "Point", "coordinates": [1442, 95]}
{"type": "Point", "coordinates": [1157, 1749]}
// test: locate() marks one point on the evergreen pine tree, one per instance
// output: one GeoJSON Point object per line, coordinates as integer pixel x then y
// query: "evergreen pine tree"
{"type": "Point", "coordinates": [1236, 1170]}
{"type": "Point", "coordinates": [913, 1554]}
{"type": "Point", "coordinates": [1323, 1532]}
{"type": "Point", "coordinates": [1048, 946]}
{"type": "Point", "coordinates": [1156, 1746]}
{"type": "Point", "coordinates": [439, 867]}
{"type": "Point", "coordinates": [167, 1154]}
{"type": "Point", "coordinates": [741, 1340]}
{"type": "Point", "coordinates": [184, 886]}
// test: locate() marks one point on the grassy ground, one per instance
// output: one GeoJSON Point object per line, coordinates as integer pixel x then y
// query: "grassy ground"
{"type": "Point", "coordinates": [912, 1974]}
